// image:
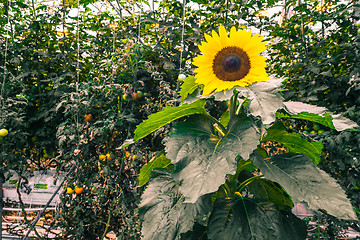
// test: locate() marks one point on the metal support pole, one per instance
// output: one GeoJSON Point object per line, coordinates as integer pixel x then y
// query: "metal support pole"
{"type": "Point", "coordinates": [1, 207]}
{"type": "Point", "coordinates": [48, 203]}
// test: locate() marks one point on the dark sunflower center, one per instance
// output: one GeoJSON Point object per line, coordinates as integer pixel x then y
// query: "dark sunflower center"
{"type": "Point", "coordinates": [231, 64]}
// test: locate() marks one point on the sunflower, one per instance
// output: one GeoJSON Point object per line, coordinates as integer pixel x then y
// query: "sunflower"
{"type": "Point", "coordinates": [229, 62]}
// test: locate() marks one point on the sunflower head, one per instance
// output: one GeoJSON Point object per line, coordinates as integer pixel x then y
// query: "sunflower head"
{"type": "Point", "coordinates": [230, 61]}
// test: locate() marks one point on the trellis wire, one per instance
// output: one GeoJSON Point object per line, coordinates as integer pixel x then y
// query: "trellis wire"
{"type": "Point", "coordinates": [76, 122]}
{"type": "Point", "coordinates": [182, 45]}
{"type": "Point", "coordinates": [48, 203]}
{"type": "Point", "coordinates": [5, 59]}
{"type": "Point", "coordinates": [182, 36]}
{"type": "Point", "coordinates": [2, 112]}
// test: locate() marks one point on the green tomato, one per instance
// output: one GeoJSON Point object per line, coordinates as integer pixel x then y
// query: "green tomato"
{"type": "Point", "coordinates": [321, 131]}
{"type": "Point", "coordinates": [140, 94]}
{"type": "Point", "coordinates": [312, 132]}
{"type": "Point", "coordinates": [307, 127]}
{"type": "Point", "coordinates": [125, 97]}
{"type": "Point", "coordinates": [316, 127]}
{"type": "Point", "coordinates": [358, 23]}
{"type": "Point", "coordinates": [3, 132]}
{"type": "Point", "coordinates": [181, 77]}
{"type": "Point", "coordinates": [359, 31]}
{"type": "Point", "coordinates": [296, 27]}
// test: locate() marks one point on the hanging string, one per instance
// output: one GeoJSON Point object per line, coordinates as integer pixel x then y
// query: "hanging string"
{"type": "Point", "coordinates": [139, 26]}
{"type": "Point", "coordinates": [182, 49]}
{"type": "Point", "coordinates": [78, 46]}
{"type": "Point", "coordinates": [182, 36]}
{"type": "Point", "coordinates": [5, 69]}
{"type": "Point", "coordinates": [77, 74]}
{"type": "Point", "coordinates": [2, 112]}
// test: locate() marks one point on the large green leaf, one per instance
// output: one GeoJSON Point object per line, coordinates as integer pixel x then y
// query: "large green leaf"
{"type": "Point", "coordinates": [167, 115]}
{"type": "Point", "coordinates": [305, 182]}
{"type": "Point", "coordinates": [246, 219]}
{"type": "Point", "coordinates": [159, 161]}
{"type": "Point", "coordinates": [164, 212]}
{"type": "Point", "coordinates": [325, 120]}
{"type": "Point", "coordinates": [197, 233]}
{"type": "Point", "coordinates": [294, 142]}
{"type": "Point", "coordinates": [270, 191]}
{"type": "Point", "coordinates": [340, 123]}
{"type": "Point", "coordinates": [265, 99]}
{"type": "Point", "coordinates": [202, 164]}
{"type": "Point", "coordinates": [188, 87]}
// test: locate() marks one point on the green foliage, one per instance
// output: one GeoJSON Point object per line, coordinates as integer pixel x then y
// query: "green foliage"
{"type": "Point", "coordinates": [304, 182]}
{"type": "Point", "coordinates": [121, 75]}
{"type": "Point", "coordinates": [145, 172]}
{"type": "Point", "coordinates": [167, 115]}
{"type": "Point", "coordinates": [271, 192]}
{"type": "Point", "coordinates": [246, 218]}
{"type": "Point", "coordinates": [265, 99]}
{"type": "Point", "coordinates": [321, 65]}
{"type": "Point", "coordinates": [202, 164]}
{"type": "Point", "coordinates": [188, 87]}
{"type": "Point", "coordinates": [166, 214]}
{"type": "Point", "coordinates": [339, 122]}
{"type": "Point", "coordinates": [208, 158]}
{"type": "Point", "coordinates": [325, 120]}
{"type": "Point", "coordinates": [294, 142]}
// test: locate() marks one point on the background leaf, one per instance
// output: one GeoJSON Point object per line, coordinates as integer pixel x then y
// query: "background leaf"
{"type": "Point", "coordinates": [188, 87]}
{"type": "Point", "coordinates": [165, 215]}
{"type": "Point", "coordinates": [158, 162]}
{"type": "Point", "coordinates": [201, 164]}
{"type": "Point", "coordinates": [167, 115]}
{"type": "Point", "coordinates": [247, 219]}
{"type": "Point", "coordinates": [325, 120]}
{"type": "Point", "coordinates": [304, 182]}
{"type": "Point", "coordinates": [340, 123]}
{"type": "Point", "coordinates": [294, 142]}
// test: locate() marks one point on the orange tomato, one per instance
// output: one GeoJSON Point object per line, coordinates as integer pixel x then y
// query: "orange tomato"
{"type": "Point", "coordinates": [79, 190]}
{"type": "Point", "coordinates": [87, 117]}
{"type": "Point", "coordinates": [134, 96]}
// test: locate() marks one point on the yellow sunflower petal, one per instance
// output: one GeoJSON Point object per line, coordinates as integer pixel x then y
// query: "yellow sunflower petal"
{"type": "Point", "coordinates": [255, 46]}
{"type": "Point", "coordinates": [202, 60]}
{"type": "Point", "coordinates": [203, 77]}
{"type": "Point", "coordinates": [211, 42]}
{"type": "Point", "coordinates": [223, 35]}
{"type": "Point", "coordinates": [209, 88]}
{"type": "Point", "coordinates": [240, 38]}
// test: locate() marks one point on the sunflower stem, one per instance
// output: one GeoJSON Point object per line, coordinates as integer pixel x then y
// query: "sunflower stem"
{"type": "Point", "coordinates": [216, 126]}
{"type": "Point", "coordinates": [221, 129]}
{"type": "Point", "coordinates": [247, 181]}
{"type": "Point", "coordinates": [238, 110]}
{"type": "Point", "coordinates": [233, 104]}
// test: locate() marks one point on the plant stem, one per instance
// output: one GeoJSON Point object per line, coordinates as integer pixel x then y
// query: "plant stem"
{"type": "Point", "coordinates": [217, 122]}
{"type": "Point", "coordinates": [247, 181]}
{"type": "Point", "coordinates": [107, 225]}
{"type": "Point", "coordinates": [216, 126]}
{"type": "Point", "coordinates": [233, 105]}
